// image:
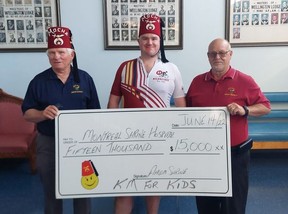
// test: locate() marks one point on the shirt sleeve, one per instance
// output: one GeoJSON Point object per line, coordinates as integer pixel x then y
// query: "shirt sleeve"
{"type": "Point", "coordinates": [179, 89]}
{"type": "Point", "coordinates": [116, 86]}
{"type": "Point", "coordinates": [255, 95]}
{"type": "Point", "coordinates": [93, 103]}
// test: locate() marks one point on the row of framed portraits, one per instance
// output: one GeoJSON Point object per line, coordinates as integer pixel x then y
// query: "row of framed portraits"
{"type": "Point", "coordinates": [23, 23]}
{"type": "Point", "coordinates": [256, 22]}
{"type": "Point", "coordinates": [121, 19]}
{"type": "Point", "coordinates": [247, 22]}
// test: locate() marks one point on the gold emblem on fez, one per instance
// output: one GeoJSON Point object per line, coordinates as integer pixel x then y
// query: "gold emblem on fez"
{"type": "Point", "coordinates": [58, 40]}
{"type": "Point", "coordinates": [150, 25]}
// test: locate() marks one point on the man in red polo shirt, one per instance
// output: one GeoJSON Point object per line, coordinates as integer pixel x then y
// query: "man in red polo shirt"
{"type": "Point", "coordinates": [226, 86]}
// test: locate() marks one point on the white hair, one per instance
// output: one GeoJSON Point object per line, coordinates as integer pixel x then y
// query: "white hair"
{"type": "Point", "coordinates": [69, 50]}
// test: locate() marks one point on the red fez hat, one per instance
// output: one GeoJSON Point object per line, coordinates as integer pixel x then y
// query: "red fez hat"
{"type": "Point", "coordinates": [88, 168]}
{"type": "Point", "coordinates": [59, 37]}
{"type": "Point", "coordinates": [150, 23]}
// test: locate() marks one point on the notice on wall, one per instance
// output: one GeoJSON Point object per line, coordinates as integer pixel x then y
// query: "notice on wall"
{"type": "Point", "coordinates": [137, 152]}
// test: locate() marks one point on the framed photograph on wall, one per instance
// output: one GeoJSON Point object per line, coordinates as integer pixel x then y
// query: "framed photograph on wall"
{"type": "Point", "coordinates": [121, 20]}
{"type": "Point", "coordinates": [257, 22]}
{"type": "Point", "coordinates": [23, 23]}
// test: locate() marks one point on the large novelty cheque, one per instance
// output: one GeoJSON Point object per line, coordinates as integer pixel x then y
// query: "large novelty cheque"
{"type": "Point", "coordinates": [118, 152]}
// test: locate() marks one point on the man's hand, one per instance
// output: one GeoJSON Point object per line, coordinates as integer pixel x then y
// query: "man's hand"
{"type": "Point", "coordinates": [50, 112]}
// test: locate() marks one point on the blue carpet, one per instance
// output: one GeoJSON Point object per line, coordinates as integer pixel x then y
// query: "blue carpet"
{"type": "Point", "coordinates": [21, 192]}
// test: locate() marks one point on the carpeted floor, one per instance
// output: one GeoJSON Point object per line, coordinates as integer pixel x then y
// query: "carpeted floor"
{"type": "Point", "coordinates": [21, 193]}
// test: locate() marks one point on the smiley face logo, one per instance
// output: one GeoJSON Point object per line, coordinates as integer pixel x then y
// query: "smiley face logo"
{"type": "Point", "coordinates": [89, 179]}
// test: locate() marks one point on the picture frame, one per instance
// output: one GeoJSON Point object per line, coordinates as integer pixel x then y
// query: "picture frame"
{"type": "Point", "coordinates": [256, 22]}
{"type": "Point", "coordinates": [24, 23]}
{"type": "Point", "coordinates": [121, 20]}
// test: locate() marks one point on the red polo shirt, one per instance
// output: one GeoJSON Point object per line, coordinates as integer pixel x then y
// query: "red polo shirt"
{"type": "Point", "coordinates": [234, 86]}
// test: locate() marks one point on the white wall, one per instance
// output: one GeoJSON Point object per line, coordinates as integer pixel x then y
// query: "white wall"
{"type": "Point", "coordinates": [203, 21]}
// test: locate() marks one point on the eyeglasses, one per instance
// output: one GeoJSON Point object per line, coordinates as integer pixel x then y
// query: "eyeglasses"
{"type": "Point", "coordinates": [213, 54]}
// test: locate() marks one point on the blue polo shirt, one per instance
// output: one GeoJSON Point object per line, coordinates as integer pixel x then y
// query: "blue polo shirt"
{"type": "Point", "coordinates": [46, 89]}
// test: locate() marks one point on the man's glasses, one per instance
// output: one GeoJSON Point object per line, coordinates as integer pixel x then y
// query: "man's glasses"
{"type": "Point", "coordinates": [213, 54]}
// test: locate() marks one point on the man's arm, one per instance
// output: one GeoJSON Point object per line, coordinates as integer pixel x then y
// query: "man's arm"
{"type": "Point", "coordinates": [258, 110]}
{"type": "Point", "coordinates": [180, 102]}
{"type": "Point", "coordinates": [113, 101]}
{"type": "Point", "coordinates": [36, 116]}
{"type": "Point", "coordinates": [254, 110]}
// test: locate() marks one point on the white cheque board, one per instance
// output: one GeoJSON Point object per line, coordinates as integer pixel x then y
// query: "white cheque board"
{"type": "Point", "coordinates": [118, 152]}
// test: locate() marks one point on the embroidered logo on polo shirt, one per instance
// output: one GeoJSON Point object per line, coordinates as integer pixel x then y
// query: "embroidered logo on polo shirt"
{"type": "Point", "coordinates": [231, 92]}
{"type": "Point", "coordinates": [162, 76]}
{"type": "Point", "coordinates": [76, 89]}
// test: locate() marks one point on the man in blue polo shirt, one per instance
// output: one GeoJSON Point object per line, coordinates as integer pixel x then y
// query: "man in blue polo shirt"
{"type": "Point", "coordinates": [60, 87]}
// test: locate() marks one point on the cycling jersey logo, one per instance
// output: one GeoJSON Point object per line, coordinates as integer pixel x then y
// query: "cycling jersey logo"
{"type": "Point", "coordinates": [163, 74]}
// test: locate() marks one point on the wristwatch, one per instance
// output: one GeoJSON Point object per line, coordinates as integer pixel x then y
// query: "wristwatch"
{"type": "Point", "coordinates": [246, 111]}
